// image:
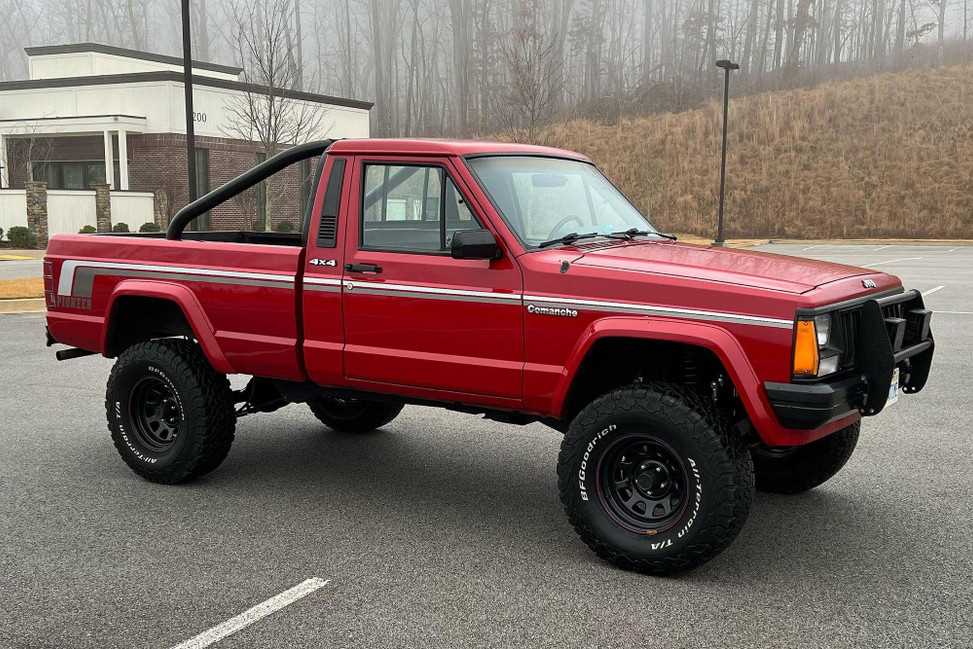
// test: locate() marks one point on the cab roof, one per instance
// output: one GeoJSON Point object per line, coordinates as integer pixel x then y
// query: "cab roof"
{"type": "Point", "coordinates": [404, 146]}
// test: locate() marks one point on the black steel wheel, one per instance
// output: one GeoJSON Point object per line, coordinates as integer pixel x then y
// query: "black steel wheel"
{"type": "Point", "coordinates": [642, 483]}
{"type": "Point", "coordinates": [155, 412]}
{"type": "Point", "coordinates": [353, 415]}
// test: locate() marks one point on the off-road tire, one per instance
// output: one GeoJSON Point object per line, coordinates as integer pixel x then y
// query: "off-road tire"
{"type": "Point", "coordinates": [718, 488]}
{"type": "Point", "coordinates": [201, 407]}
{"type": "Point", "coordinates": [798, 469]}
{"type": "Point", "coordinates": [356, 415]}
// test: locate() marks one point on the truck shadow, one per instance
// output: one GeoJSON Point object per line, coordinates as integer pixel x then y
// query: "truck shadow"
{"type": "Point", "coordinates": [503, 489]}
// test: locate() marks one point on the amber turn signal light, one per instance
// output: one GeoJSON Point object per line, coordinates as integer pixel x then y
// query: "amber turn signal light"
{"type": "Point", "coordinates": [806, 349]}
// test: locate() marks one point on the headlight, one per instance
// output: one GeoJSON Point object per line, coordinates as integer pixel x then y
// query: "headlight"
{"type": "Point", "coordinates": [813, 354]}
{"type": "Point", "coordinates": [822, 324]}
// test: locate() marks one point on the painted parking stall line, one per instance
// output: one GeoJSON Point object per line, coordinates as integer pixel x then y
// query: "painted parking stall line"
{"type": "Point", "coordinates": [933, 290]}
{"type": "Point", "coordinates": [254, 614]}
{"type": "Point", "coordinates": [891, 261]}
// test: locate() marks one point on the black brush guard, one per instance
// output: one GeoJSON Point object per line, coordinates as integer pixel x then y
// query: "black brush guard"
{"type": "Point", "coordinates": [908, 344]}
{"type": "Point", "coordinates": [880, 334]}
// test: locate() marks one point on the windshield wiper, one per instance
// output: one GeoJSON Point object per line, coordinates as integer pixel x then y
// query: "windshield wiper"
{"type": "Point", "coordinates": [631, 233]}
{"type": "Point", "coordinates": [571, 237]}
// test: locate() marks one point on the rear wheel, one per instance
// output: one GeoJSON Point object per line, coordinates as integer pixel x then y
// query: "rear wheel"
{"type": "Point", "coordinates": [796, 469]}
{"type": "Point", "coordinates": [350, 415]}
{"type": "Point", "coordinates": [169, 413]}
{"type": "Point", "coordinates": [652, 480]}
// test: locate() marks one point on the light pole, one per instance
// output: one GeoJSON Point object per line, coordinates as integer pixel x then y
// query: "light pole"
{"type": "Point", "coordinates": [187, 71]}
{"type": "Point", "coordinates": [727, 66]}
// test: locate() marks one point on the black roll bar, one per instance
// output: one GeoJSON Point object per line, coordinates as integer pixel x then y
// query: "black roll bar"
{"type": "Point", "coordinates": [243, 182]}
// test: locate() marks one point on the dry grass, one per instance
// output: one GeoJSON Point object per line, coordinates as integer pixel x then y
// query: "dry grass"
{"type": "Point", "coordinates": [21, 288]}
{"type": "Point", "coordinates": [884, 156]}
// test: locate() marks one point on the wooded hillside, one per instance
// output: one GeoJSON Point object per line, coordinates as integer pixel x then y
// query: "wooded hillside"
{"type": "Point", "coordinates": [888, 155]}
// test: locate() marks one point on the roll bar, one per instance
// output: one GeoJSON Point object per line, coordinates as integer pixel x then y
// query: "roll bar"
{"type": "Point", "coordinates": [243, 182]}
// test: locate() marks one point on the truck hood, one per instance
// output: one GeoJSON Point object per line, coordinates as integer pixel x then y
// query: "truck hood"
{"type": "Point", "coordinates": [724, 265]}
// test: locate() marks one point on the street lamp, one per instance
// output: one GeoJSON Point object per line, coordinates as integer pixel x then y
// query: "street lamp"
{"type": "Point", "coordinates": [187, 72]}
{"type": "Point", "coordinates": [727, 66]}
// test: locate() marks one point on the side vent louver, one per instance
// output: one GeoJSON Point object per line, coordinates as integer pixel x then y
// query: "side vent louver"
{"type": "Point", "coordinates": [328, 228]}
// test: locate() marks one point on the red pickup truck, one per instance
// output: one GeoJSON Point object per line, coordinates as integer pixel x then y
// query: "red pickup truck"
{"type": "Point", "coordinates": [512, 281]}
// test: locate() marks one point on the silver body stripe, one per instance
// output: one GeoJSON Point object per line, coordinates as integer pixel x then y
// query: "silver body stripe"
{"type": "Point", "coordinates": [430, 291]}
{"type": "Point", "coordinates": [65, 284]}
{"type": "Point", "coordinates": [692, 314]}
{"type": "Point", "coordinates": [323, 281]}
{"type": "Point", "coordinates": [72, 267]}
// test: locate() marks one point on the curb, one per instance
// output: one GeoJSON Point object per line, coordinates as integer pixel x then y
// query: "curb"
{"type": "Point", "coordinates": [23, 305]}
{"type": "Point", "coordinates": [878, 242]}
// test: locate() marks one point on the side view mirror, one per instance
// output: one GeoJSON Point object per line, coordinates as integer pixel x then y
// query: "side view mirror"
{"type": "Point", "coordinates": [474, 244]}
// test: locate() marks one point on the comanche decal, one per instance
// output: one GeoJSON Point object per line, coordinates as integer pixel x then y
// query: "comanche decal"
{"type": "Point", "coordinates": [560, 311]}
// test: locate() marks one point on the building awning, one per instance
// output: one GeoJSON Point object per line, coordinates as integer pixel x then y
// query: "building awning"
{"type": "Point", "coordinates": [71, 125]}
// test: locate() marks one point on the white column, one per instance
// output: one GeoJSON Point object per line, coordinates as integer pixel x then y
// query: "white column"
{"type": "Point", "coordinates": [109, 166]}
{"type": "Point", "coordinates": [123, 160]}
{"type": "Point", "coordinates": [4, 172]}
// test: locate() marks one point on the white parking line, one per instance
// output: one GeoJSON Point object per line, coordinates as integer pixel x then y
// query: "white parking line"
{"type": "Point", "coordinates": [248, 617]}
{"type": "Point", "coordinates": [954, 312]}
{"type": "Point", "coordinates": [891, 261]}
{"type": "Point", "coordinates": [933, 290]}
{"type": "Point", "coordinates": [882, 248]}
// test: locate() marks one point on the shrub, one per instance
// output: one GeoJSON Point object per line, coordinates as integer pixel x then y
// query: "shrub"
{"type": "Point", "coordinates": [1, 234]}
{"type": "Point", "coordinates": [120, 227]}
{"type": "Point", "coordinates": [285, 226]}
{"type": "Point", "coordinates": [21, 237]}
{"type": "Point", "coordinates": [87, 229]}
{"type": "Point", "coordinates": [150, 227]}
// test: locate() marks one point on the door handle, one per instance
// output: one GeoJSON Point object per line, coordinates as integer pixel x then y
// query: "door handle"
{"type": "Point", "coordinates": [363, 268]}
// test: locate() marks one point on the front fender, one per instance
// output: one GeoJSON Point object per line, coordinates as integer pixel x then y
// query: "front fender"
{"type": "Point", "coordinates": [187, 302]}
{"type": "Point", "coordinates": [721, 342]}
{"type": "Point", "coordinates": [709, 336]}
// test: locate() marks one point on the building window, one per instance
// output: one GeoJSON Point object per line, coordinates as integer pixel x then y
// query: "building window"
{"type": "Point", "coordinates": [80, 174]}
{"type": "Point", "coordinates": [308, 173]}
{"type": "Point", "coordinates": [202, 186]}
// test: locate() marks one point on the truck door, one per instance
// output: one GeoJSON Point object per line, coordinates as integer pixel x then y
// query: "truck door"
{"type": "Point", "coordinates": [321, 294]}
{"type": "Point", "coordinates": [415, 317]}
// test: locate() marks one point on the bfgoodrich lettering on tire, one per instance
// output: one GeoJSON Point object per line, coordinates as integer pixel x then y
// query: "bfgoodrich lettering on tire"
{"type": "Point", "coordinates": [652, 481]}
{"type": "Point", "coordinates": [170, 415]}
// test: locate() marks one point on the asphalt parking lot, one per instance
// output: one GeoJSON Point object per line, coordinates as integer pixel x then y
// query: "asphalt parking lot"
{"type": "Point", "coordinates": [445, 530]}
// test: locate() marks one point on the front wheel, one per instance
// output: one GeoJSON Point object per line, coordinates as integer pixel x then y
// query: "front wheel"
{"type": "Point", "coordinates": [350, 415]}
{"type": "Point", "coordinates": [652, 480]}
{"type": "Point", "coordinates": [800, 468]}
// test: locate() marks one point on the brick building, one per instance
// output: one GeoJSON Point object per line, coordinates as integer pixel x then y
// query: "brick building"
{"type": "Point", "coordinates": [93, 114]}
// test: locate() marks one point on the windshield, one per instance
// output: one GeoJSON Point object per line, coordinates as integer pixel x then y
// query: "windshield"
{"type": "Point", "coordinates": [545, 198]}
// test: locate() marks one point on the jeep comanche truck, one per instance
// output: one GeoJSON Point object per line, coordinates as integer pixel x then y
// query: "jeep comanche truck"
{"type": "Point", "coordinates": [510, 281]}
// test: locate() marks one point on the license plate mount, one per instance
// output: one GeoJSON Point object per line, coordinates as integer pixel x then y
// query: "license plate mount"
{"type": "Point", "coordinates": [893, 389]}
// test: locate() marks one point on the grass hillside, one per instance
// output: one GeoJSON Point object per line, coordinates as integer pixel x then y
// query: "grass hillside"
{"type": "Point", "coordinates": [889, 155]}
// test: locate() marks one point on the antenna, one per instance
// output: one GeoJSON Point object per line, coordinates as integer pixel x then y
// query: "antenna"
{"type": "Point", "coordinates": [727, 67]}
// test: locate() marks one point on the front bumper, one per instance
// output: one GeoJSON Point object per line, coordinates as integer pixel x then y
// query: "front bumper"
{"type": "Point", "coordinates": [892, 331]}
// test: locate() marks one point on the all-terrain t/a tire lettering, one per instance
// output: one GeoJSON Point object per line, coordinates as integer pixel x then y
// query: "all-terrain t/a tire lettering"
{"type": "Point", "coordinates": [652, 481]}
{"type": "Point", "coordinates": [170, 415]}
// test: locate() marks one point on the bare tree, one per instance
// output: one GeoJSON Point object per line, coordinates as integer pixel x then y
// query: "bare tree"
{"type": "Point", "coordinates": [263, 113]}
{"type": "Point", "coordinates": [533, 69]}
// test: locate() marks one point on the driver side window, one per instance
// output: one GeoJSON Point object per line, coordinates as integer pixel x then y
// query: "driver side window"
{"type": "Point", "coordinates": [411, 208]}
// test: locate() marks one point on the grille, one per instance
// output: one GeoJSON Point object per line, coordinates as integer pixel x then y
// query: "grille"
{"type": "Point", "coordinates": [846, 327]}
